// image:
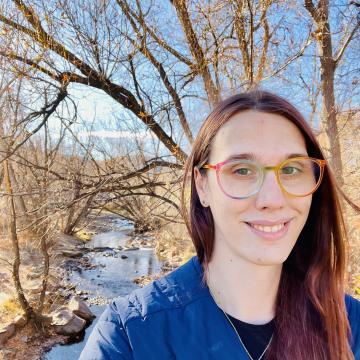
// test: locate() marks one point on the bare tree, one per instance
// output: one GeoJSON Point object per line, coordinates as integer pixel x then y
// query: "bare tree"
{"type": "Point", "coordinates": [329, 61]}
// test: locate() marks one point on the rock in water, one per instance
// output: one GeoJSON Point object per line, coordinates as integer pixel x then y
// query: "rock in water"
{"type": "Point", "coordinates": [72, 254]}
{"type": "Point", "coordinates": [79, 308]}
{"type": "Point", "coordinates": [65, 322]}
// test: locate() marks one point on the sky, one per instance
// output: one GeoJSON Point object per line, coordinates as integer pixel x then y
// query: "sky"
{"type": "Point", "coordinates": [100, 117]}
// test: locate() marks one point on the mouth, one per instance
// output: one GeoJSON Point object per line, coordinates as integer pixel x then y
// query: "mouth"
{"type": "Point", "coordinates": [269, 232]}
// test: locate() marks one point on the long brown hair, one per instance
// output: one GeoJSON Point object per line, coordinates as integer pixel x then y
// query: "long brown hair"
{"type": "Point", "coordinates": [310, 317]}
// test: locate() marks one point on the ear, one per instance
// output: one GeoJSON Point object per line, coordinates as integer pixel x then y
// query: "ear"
{"type": "Point", "coordinates": [201, 186]}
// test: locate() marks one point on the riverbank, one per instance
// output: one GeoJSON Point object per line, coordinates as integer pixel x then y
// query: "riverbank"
{"type": "Point", "coordinates": [83, 267]}
{"type": "Point", "coordinates": [24, 341]}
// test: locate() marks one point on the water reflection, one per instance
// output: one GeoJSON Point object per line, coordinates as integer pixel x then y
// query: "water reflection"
{"type": "Point", "coordinates": [111, 239]}
{"type": "Point", "coordinates": [150, 266]}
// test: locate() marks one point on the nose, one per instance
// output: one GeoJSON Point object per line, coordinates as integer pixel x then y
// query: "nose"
{"type": "Point", "coordinates": [270, 194]}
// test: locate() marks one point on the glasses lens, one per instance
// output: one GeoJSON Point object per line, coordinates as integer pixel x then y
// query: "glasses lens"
{"type": "Point", "coordinates": [300, 177]}
{"type": "Point", "coordinates": [240, 178]}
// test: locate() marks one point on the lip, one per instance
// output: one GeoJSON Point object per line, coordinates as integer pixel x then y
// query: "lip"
{"type": "Point", "coordinates": [270, 236]}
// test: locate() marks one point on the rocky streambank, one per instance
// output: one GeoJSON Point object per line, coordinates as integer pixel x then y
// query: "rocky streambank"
{"type": "Point", "coordinates": [107, 260]}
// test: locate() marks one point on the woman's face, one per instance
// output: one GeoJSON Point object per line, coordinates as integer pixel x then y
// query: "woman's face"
{"type": "Point", "coordinates": [271, 138]}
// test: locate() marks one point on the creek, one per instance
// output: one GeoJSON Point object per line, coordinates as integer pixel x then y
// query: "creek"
{"type": "Point", "coordinates": [110, 275]}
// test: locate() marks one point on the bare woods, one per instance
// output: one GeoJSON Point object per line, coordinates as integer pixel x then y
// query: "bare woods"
{"type": "Point", "coordinates": [160, 65]}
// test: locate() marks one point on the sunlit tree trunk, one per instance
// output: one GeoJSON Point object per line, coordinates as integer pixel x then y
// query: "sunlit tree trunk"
{"type": "Point", "coordinates": [328, 64]}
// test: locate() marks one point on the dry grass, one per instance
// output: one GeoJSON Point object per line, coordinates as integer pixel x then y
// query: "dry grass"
{"type": "Point", "coordinates": [30, 275]}
{"type": "Point", "coordinates": [9, 309]}
{"type": "Point", "coordinates": [173, 243]}
{"type": "Point", "coordinates": [83, 235]}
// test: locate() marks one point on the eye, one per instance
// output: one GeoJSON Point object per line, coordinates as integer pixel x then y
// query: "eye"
{"type": "Point", "coordinates": [242, 171]}
{"type": "Point", "coordinates": [290, 170]}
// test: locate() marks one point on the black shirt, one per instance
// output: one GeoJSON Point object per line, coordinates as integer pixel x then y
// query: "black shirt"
{"type": "Point", "coordinates": [254, 337]}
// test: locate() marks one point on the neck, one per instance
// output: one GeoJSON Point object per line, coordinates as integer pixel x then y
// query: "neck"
{"type": "Point", "coordinates": [245, 290]}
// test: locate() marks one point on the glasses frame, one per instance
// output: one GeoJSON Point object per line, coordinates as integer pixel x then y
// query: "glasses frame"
{"type": "Point", "coordinates": [264, 169]}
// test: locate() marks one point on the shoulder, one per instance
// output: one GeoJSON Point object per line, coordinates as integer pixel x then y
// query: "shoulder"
{"type": "Point", "coordinates": [353, 308]}
{"type": "Point", "coordinates": [117, 330]}
{"type": "Point", "coordinates": [353, 312]}
{"type": "Point", "coordinates": [177, 289]}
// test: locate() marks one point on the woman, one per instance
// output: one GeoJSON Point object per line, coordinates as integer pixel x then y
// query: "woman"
{"type": "Point", "coordinates": [268, 279]}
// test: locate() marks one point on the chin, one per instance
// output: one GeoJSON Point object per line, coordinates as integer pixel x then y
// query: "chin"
{"type": "Point", "coordinates": [270, 260]}
{"type": "Point", "coordinates": [268, 263]}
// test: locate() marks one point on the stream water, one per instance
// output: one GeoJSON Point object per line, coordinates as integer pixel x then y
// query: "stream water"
{"type": "Point", "coordinates": [113, 276]}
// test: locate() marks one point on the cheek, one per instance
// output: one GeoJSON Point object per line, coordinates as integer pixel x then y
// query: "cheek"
{"type": "Point", "coordinates": [216, 196]}
{"type": "Point", "coordinates": [303, 209]}
{"type": "Point", "coordinates": [307, 205]}
{"type": "Point", "coordinates": [230, 212]}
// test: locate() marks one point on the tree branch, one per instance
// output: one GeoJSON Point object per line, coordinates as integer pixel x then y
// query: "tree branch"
{"type": "Point", "coordinates": [31, 63]}
{"type": "Point", "coordinates": [152, 33]}
{"type": "Point", "coordinates": [292, 58]}
{"type": "Point", "coordinates": [196, 50]}
{"type": "Point", "coordinates": [117, 92]}
{"type": "Point", "coordinates": [311, 9]}
{"type": "Point", "coordinates": [47, 110]}
{"type": "Point", "coordinates": [157, 64]}
{"type": "Point", "coordinates": [341, 51]}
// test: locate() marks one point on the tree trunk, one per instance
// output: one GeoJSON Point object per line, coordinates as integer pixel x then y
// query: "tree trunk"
{"type": "Point", "coordinates": [320, 14]}
{"type": "Point", "coordinates": [28, 310]}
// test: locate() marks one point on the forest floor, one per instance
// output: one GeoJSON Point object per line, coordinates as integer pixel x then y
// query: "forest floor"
{"type": "Point", "coordinates": [27, 343]}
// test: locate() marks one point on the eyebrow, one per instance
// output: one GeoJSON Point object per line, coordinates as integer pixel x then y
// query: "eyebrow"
{"type": "Point", "coordinates": [253, 157]}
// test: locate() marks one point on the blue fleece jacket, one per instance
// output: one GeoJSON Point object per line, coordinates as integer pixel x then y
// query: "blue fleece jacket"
{"type": "Point", "coordinates": [175, 317]}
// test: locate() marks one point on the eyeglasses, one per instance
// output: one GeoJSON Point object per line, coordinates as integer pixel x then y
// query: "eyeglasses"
{"type": "Point", "coordinates": [242, 178]}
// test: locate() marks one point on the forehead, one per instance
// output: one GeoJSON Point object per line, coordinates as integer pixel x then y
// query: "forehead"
{"type": "Point", "coordinates": [270, 137]}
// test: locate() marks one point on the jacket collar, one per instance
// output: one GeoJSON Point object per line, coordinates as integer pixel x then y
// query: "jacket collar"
{"type": "Point", "coordinates": [185, 284]}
